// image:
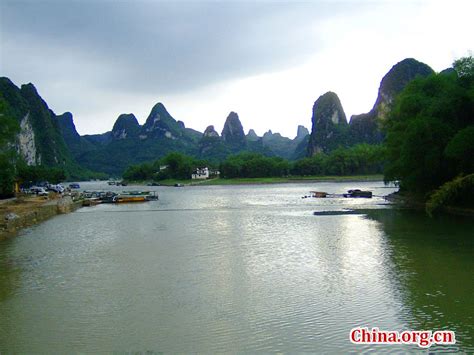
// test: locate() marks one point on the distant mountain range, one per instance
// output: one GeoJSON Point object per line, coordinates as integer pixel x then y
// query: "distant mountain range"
{"type": "Point", "coordinates": [50, 139]}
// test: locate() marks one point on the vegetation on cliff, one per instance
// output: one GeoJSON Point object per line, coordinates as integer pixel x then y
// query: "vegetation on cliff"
{"type": "Point", "coordinates": [330, 126]}
{"type": "Point", "coordinates": [8, 128]}
{"type": "Point", "coordinates": [430, 131]}
{"type": "Point", "coordinates": [38, 138]}
{"type": "Point", "coordinates": [366, 127]}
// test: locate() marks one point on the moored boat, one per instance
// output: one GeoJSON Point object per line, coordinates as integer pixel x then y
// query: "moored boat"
{"type": "Point", "coordinates": [135, 196]}
{"type": "Point", "coordinates": [129, 198]}
{"type": "Point", "coordinates": [91, 202]}
{"type": "Point", "coordinates": [95, 197]}
{"type": "Point", "coordinates": [356, 193]}
{"type": "Point", "coordinates": [318, 194]}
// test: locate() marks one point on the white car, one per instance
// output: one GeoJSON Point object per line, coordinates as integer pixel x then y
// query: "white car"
{"type": "Point", "coordinates": [56, 188]}
{"type": "Point", "coordinates": [40, 191]}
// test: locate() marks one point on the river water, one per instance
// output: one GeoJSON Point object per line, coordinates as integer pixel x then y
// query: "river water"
{"type": "Point", "coordinates": [235, 268]}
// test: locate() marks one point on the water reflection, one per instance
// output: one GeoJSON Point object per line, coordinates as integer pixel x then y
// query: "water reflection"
{"type": "Point", "coordinates": [217, 269]}
{"type": "Point", "coordinates": [10, 273]}
{"type": "Point", "coordinates": [434, 263]}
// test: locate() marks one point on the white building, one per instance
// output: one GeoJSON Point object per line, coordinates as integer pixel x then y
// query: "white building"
{"type": "Point", "coordinates": [201, 173]}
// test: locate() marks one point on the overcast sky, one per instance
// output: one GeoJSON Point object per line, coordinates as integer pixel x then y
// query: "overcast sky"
{"type": "Point", "coordinates": [266, 60]}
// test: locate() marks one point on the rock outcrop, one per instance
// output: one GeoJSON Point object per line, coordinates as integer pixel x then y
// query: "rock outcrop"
{"type": "Point", "coordinates": [160, 124]}
{"type": "Point", "coordinates": [233, 132]}
{"type": "Point", "coordinates": [27, 142]}
{"type": "Point", "coordinates": [211, 145]}
{"type": "Point", "coordinates": [395, 81]}
{"type": "Point", "coordinates": [40, 139]}
{"type": "Point", "coordinates": [365, 128]}
{"type": "Point", "coordinates": [76, 143]}
{"type": "Point", "coordinates": [267, 136]}
{"type": "Point", "coordinates": [210, 132]}
{"type": "Point", "coordinates": [126, 126]}
{"type": "Point", "coordinates": [252, 136]}
{"type": "Point", "coordinates": [329, 125]}
{"type": "Point", "coordinates": [301, 133]}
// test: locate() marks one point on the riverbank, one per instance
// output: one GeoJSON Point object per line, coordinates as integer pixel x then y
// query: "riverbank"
{"type": "Point", "coordinates": [265, 180]}
{"type": "Point", "coordinates": [25, 211]}
{"type": "Point", "coordinates": [404, 200]}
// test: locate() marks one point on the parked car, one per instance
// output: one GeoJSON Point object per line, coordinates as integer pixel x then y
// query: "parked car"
{"type": "Point", "coordinates": [56, 188]}
{"type": "Point", "coordinates": [40, 191]}
{"type": "Point", "coordinates": [74, 185]}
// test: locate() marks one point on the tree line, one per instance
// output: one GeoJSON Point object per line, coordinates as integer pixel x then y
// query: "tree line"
{"type": "Point", "coordinates": [173, 166]}
{"type": "Point", "coordinates": [356, 160]}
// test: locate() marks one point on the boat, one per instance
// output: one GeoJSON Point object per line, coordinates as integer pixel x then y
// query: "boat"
{"type": "Point", "coordinates": [357, 193]}
{"type": "Point", "coordinates": [135, 196]}
{"type": "Point", "coordinates": [91, 202]}
{"type": "Point", "coordinates": [92, 198]}
{"type": "Point", "coordinates": [128, 198]}
{"type": "Point", "coordinates": [318, 194]}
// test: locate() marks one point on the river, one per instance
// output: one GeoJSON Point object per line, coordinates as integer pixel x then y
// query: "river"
{"type": "Point", "coordinates": [235, 268]}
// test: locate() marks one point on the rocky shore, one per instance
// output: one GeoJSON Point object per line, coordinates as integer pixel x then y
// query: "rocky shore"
{"type": "Point", "coordinates": [22, 212]}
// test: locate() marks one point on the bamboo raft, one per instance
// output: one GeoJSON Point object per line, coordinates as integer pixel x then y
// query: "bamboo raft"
{"type": "Point", "coordinates": [354, 193]}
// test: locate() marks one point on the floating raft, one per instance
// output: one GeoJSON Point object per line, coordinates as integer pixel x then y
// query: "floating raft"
{"type": "Point", "coordinates": [355, 193]}
{"type": "Point", "coordinates": [337, 213]}
{"type": "Point", "coordinates": [358, 193]}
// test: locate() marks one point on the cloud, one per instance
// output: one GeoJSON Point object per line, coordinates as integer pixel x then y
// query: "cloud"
{"type": "Point", "coordinates": [161, 46]}
{"type": "Point", "coordinates": [269, 60]}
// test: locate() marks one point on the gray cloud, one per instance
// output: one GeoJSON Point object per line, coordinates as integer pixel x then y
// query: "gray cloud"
{"type": "Point", "coordinates": [162, 46]}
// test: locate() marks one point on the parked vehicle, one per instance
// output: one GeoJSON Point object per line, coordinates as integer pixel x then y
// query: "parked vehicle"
{"type": "Point", "coordinates": [74, 185]}
{"type": "Point", "coordinates": [40, 191]}
{"type": "Point", "coordinates": [56, 188]}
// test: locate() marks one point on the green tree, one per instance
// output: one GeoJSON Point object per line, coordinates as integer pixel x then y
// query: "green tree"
{"type": "Point", "coordinates": [461, 149]}
{"type": "Point", "coordinates": [464, 66]}
{"type": "Point", "coordinates": [30, 174]}
{"type": "Point", "coordinates": [428, 133]}
{"type": "Point", "coordinates": [8, 129]}
{"type": "Point", "coordinates": [314, 165]}
{"type": "Point", "coordinates": [252, 165]}
{"type": "Point", "coordinates": [178, 166]}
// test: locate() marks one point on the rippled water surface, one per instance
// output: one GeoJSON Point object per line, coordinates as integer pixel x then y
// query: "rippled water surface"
{"type": "Point", "coordinates": [235, 268]}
